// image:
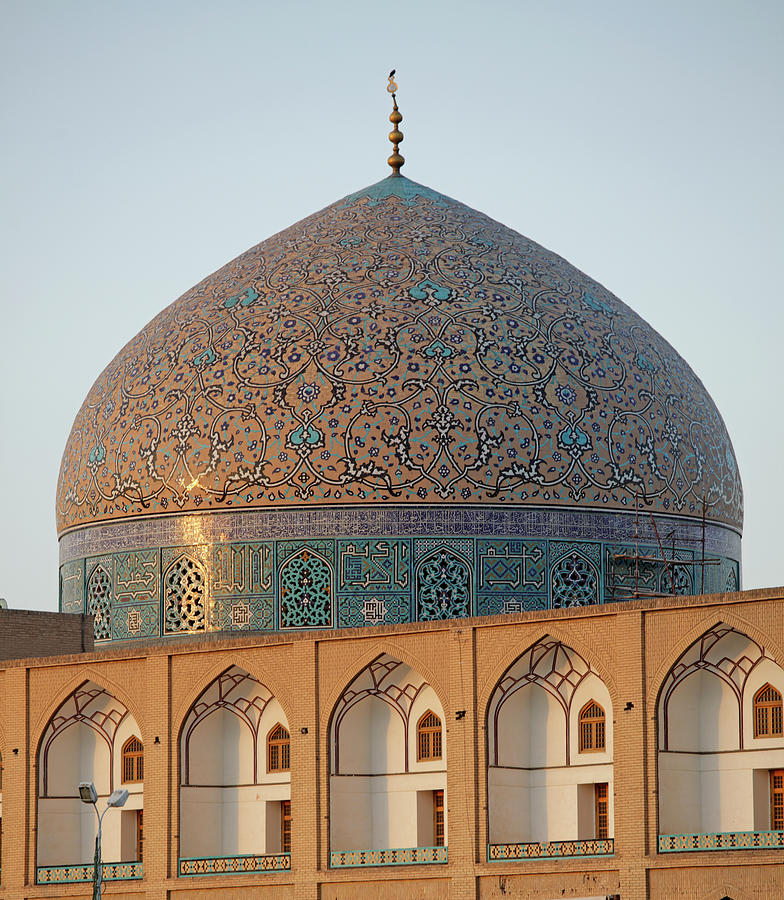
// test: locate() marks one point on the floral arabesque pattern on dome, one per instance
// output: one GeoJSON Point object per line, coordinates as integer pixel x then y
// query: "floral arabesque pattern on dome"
{"type": "Point", "coordinates": [397, 346]}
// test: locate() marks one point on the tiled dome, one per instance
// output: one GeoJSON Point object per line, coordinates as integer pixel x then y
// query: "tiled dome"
{"type": "Point", "coordinates": [396, 347]}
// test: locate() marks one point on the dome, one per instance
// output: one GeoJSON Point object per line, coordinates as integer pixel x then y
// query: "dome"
{"type": "Point", "coordinates": [395, 351]}
{"type": "Point", "coordinates": [396, 346]}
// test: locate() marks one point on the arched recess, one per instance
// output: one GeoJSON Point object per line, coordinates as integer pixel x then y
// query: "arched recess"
{"type": "Point", "coordinates": [541, 786]}
{"type": "Point", "coordinates": [381, 795]}
{"type": "Point", "coordinates": [714, 775]}
{"type": "Point", "coordinates": [230, 803]}
{"type": "Point", "coordinates": [83, 741]}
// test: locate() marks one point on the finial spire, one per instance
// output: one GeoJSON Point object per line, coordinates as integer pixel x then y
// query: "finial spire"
{"type": "Point", "coordinates": [395, 136]}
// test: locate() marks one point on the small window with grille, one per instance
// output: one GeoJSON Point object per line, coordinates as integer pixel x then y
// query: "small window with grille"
{"type": "Point", "coordinates": [132, 761]}
{"type": "Point", "coordinates": [429, 737]}
{"type": "Point", "coordinates": [438, 819]}
{"type": "Point", "coordinates": [601, 795]}
{"type": "Point", "coordinates": [285, 826]}
{"type": "Point", "coordinates": [767, 712]}
{"type": "Point", "coordinates": [592, 727]}
{"type": "Point", "coordinates": [777, 800]}
{"type": "Point", "coordinates": [278, 749]}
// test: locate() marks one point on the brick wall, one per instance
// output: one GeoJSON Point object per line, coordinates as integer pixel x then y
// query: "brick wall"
{"type": "Point", "coordinates": [631, 645]}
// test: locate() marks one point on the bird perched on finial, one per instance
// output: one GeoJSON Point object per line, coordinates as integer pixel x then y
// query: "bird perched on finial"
{"type": "Point", "coordinates": [395, 136]}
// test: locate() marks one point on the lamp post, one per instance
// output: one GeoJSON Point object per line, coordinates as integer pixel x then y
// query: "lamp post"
{"type": "Point", "coordinates": [88, 794]}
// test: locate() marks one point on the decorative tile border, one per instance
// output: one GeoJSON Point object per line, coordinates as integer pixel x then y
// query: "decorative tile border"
{"type": "Point", "coordinates": [408, 856]}
{"type": "Point", "coordinates": [229, 865]}
{"type": "Point", "coordinates": [550, 849]}
{"type": "Point", "coordinates": [126, 871]}
{"type": "Point", "coordinates": [340, 582]}
{"type": "Point", "coordinates": [457, 520]}
{"type": "Point", "coordinates": [728, 840]}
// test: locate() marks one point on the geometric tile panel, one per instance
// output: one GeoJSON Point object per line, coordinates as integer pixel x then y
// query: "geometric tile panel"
{"type": "Point", "coordinates": [346, 582]}
{"type": "Point", "coordinates": [72, 587]}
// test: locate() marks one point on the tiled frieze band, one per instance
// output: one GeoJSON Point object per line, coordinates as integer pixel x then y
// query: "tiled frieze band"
{"type": "Point", "coordinates": [338, 582]}
{"type": "Point", "coordinates": [382, 520]}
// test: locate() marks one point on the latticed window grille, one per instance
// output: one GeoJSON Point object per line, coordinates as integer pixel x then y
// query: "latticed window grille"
{"type": "Point", "coordinates": [285, 826]}
{"type": "Point", "coordinates": [133, 761]}
{"type": "Point", "coordinates": [592, 727]}
{"type": "Point", "coordinates": [601, 795]}
{"type": "Point", "coordinates": [184, 586]}
{"type": "Point", "coordinates": [777, 800]}
{"type": "Point", "coordinates": [429, 737]}
{"type": "Point", "coordinates": [438, 819]}
{"type": "Point", "coordinates": [767, 712]}
{"type": "Point", "coordinates": [574, 582]}
{"type": "Point", "coordinates": [99, 603]}
{"type": "Point", "coordinates": [278, 750]}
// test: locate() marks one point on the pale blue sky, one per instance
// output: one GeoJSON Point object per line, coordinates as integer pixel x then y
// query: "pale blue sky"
{"type": "Point", "coordinates": [145, 144]}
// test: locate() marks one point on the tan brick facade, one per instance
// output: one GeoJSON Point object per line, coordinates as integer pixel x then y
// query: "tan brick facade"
{"type": "Point", "coordinates": [632, 646]}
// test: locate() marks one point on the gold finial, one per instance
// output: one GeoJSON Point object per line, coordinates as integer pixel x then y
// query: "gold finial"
{"type": "Point", "coordinates": [395, 136]}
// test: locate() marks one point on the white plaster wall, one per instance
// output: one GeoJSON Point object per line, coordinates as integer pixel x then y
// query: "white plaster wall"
{"type": "Point", "coordinates": [67, 829]}
{"type": "Point", "coordinates": [227, 821]}
{"type": "Point", "coordinates": [703, 714]}
{"type": "Point", "coordinates": [77, 754]}
{"type": "Point", "coordinates": [507, 799]}
{"type": "Point", "coordinates": [221, 751]}
{"type": "Point", "coordinates": [591, 688]}
{"type": "Point", "coordinates": [371, 739]}
{"type": "Point", "coordinates": [378, 812]}
{"type": "Point", "coordinates": [531, 729]}
{"type": "Point", "coordinates": [714, 792]}
{"type": "Point", "coordinates": [680, 800]}
{"type": "Point", "coordinates": [542, 804]}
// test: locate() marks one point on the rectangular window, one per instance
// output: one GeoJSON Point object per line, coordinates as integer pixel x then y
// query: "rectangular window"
{"type": "Point", "coordinates": [438, 818]}
{"type": "Point", "coordinates": [777, 800]}
{"type": "Point", "coordinates": [285, 826]}
{"type": "Point", "coordinates": [139, 835]}
{"type": "Point", "coordinates": [602, 817]}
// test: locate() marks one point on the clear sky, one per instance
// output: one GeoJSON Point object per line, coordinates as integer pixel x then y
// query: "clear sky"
{"type": "Point", "coordinates": [144, 144]}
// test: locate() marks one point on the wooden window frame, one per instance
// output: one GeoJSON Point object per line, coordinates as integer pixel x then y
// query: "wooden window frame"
{"type": "Point", "coordinates": [135, 757]}
{"type": "Point", "coordinates": [601, 810]}
{"type": "Point", "coordinates": [439, 819]}
{"type": "Point", "coordinates": [768, 714]}
{"type": "Point", "coordinates": [140, 835]}
{"type": "Point", "coordinates": [776, 774]}
{"type": "Point", "coordinates": [430, 738]}
{"type": "Point", "coordinates": [285, 820]}
{"type": "Point", "coordinates": [278, 749]}
{"type": "Point", "coordinates": [592, 727]}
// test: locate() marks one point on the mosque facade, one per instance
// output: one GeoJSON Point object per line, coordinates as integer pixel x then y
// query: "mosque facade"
{"type": "Point", "coordinates": [413, 560]}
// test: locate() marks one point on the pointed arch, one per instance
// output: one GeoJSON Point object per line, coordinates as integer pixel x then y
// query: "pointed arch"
{"type": "Point", "coordinates": [711, 621]}
{"type": "Point", "coordinates": [704, 654]}
{"type": "Point", "coordinates": [200, 683]}
{"type": "Point", "coordinates": [369, 656]}
{"type": "Point", "coordinates": [85, 674]}
{"type": "Point", "coordinates": [594, 660]}
{"type": "Point", "coordinates": [236, 692]}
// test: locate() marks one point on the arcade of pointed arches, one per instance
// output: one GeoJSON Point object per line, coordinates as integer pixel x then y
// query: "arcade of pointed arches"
{"type": "Point", "coordinates": [549, 757]}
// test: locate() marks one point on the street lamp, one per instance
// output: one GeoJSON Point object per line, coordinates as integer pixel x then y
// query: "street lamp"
{"type": "Point", "coordinates": [88, 794]}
